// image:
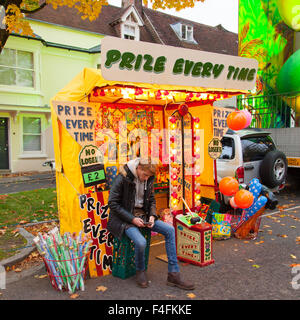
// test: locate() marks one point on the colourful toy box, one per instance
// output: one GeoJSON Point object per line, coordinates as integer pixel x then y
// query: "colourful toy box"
{"type": "Point", "coordinates": [193, 241]}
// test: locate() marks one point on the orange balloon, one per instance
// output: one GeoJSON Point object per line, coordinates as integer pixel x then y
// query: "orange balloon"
{"type": "Point", "coordinates": [228, 186]}
{"type": "Point", "coordinates": [237, 120]}
{"type": "Point", "coordinates": [243, 199]}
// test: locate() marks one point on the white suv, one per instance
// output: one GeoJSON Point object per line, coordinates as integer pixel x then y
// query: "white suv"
{"type": "Point", "coordinates": [251, 153]}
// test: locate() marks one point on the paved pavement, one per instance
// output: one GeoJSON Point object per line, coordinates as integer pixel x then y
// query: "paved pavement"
{"type": "Point", "coordinates": [29, 181]}
{"type": "Point", "coordinates": [261, 269]}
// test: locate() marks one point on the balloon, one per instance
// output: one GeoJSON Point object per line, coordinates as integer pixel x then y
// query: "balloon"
{"type": "Point", "coordinates": [248, 117]}
{"type": "Point", "coordinates": [243, 199]}
{"type": "Point", "coordinates": [289, 12]}
{"type": "Point", "coordinates": [232, 203]}
{"type": "Point", "coordinates": [288, 77]}
{"type": "Point", "coordinates": [236, 120]}
{"type": "Point", "coordinates": [228, 186]}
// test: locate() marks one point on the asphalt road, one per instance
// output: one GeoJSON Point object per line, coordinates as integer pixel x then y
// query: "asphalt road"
{"type": "Point", "coordinates": [261, 269]}
{"type": "Point", "coordinates": [248, 270]}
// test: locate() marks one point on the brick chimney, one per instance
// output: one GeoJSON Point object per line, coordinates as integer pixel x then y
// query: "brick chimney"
{"type": "Point", "coordinates": [127, 3]}
{"type": "Point", "coordinates": [137, 3]}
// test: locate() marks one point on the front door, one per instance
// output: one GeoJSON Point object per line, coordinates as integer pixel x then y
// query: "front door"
{"type": "Point", "coordinates": [4, 163]}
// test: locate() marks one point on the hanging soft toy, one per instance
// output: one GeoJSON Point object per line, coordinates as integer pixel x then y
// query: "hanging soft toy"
{"type": "Point", "coordinates": [249, 224]}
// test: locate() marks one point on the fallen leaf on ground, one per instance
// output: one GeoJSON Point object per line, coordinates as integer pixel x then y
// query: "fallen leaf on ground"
{"type": "Point", "coordinates": [18, 270]}
{"type": "Point", "coordinates": [41, 277]}
{"type": "Point", "coordinates": [255, 266]}
{"type": "Point", "coordinates": [293, 226]}
{"type": "Point", "coordinates": [101, 288]}
{"type": "Point", "coordinates": [74, 295]}
{"type": "Point", "coordinates": [282, 235]}
{"type": "Point", "coordinates": [191, 295]}
{"type": "Point", "coordinates": [259, 242]}
{"type": "Point", "coordinates": [295, 265]}
{"type": "Point", "coordinates": [170, 296]}
{"type": "Point", "coordinates": [293, 256]}
{"type": "Point", "coordinates": [185, 264]}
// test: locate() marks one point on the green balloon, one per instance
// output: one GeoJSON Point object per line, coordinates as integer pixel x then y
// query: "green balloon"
{"type": "Point", "coordinates": [289, 11]}
{"type": "Point", "coordinates": [288, 79]}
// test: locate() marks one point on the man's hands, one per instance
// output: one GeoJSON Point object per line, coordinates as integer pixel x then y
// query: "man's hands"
{"type": "Point", "coordinates": [151, 222]}
{"type": "Point", "coordinates": [140, 223]}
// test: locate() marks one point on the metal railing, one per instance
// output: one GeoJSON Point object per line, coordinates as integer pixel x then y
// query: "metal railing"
{"type": "Point", "coordinates": [273, 110]}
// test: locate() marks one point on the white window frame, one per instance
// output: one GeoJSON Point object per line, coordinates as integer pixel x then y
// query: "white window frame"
{"type": "Point", "coordinates": [136, 30]}
{"type": "Point", "coordinates": [36, 70]}
{"type": "Point", "coordinates": [188, 35]}
{"type": "Point", "coordinates": [32, 154]}
{"type": "Point", "coordinates": [33, 70]}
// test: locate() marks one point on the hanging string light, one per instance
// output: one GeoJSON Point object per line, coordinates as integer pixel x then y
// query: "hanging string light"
{"type": "Point", "coordinates": [149, 94]}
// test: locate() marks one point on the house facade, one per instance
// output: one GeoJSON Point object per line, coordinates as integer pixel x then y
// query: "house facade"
{"type": "Point", "coordinates": [34, 69]}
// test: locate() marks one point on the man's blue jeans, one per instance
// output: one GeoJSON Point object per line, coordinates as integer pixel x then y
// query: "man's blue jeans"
{"type": "Point", "coordinates": [167, 231]}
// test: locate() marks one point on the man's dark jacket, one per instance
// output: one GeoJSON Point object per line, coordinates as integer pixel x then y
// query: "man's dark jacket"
{"type": "Point", "coordinates": [121, 201]}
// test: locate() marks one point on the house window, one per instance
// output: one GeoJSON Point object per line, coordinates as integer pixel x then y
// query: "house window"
{"type": "Point", "coordinates": [129, 32]}
{"type": "Point", "coordinates": [16, 68]}
{"type": "Point", "coordinates": [2, 15]}
{"type": "Point", "coordinates": [187, 32]}
{"type": "Point", "coordinates": [32, 134]}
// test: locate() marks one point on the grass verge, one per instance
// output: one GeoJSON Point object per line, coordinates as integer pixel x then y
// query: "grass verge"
{"type": "Point", "coordinates": [21, 208]}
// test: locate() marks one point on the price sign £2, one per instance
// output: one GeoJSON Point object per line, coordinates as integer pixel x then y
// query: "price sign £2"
{"type": "Point", "coordinates": [92, 167]}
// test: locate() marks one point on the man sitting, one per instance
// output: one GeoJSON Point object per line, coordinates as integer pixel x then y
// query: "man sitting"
{"type": "Point", "coordinates": [132, 206]}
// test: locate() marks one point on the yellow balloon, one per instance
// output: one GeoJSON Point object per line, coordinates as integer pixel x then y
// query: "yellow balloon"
{"type": "Point", "coordinates": [289, 11]}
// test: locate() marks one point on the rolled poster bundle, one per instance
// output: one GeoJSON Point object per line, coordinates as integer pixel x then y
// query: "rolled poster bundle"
{"type": "Point", "coordinates": [64, 257]}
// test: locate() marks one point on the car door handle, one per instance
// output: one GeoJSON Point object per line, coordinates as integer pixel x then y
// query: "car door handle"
{"type": "Point", "coordinates": [249, 167]}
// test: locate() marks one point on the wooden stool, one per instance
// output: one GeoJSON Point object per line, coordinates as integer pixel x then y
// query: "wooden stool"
{"type": "Point", "coordinates": [124, 255]}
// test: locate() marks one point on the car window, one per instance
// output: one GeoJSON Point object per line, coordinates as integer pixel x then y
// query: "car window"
{"type": "Point", "coordinates": [228, 151]}
{"type": "Point", "coordinates": [255, 148]}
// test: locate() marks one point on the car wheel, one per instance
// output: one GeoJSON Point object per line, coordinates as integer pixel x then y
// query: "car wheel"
{"type": "Point", "coordinates": [273, 169]}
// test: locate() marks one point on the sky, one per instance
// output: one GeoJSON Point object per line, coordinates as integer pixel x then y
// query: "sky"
{"type": "Point", "coordinates": [210, 12]}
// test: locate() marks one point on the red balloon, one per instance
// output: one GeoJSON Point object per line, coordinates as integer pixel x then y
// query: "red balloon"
{"type": "Point", "coordinates": [228, 186]}
{"type": "Point", "coordinates": [237, 120]}
{"type": "Point", "coordinates": [243, 199]}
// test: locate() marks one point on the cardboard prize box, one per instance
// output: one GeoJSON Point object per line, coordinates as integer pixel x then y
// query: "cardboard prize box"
{"type": "Point", "coordinates": [193, 241]}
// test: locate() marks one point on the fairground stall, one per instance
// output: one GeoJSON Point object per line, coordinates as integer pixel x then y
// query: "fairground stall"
{"type": "Point", "coordinates": [148, 99]}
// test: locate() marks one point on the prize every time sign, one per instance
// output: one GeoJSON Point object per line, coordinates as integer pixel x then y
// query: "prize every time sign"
{"type": "Point", "coordinates": [143, 62]}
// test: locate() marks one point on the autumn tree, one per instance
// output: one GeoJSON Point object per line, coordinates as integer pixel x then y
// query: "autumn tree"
{"type": "Point", "coordinates": [13, 12]}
